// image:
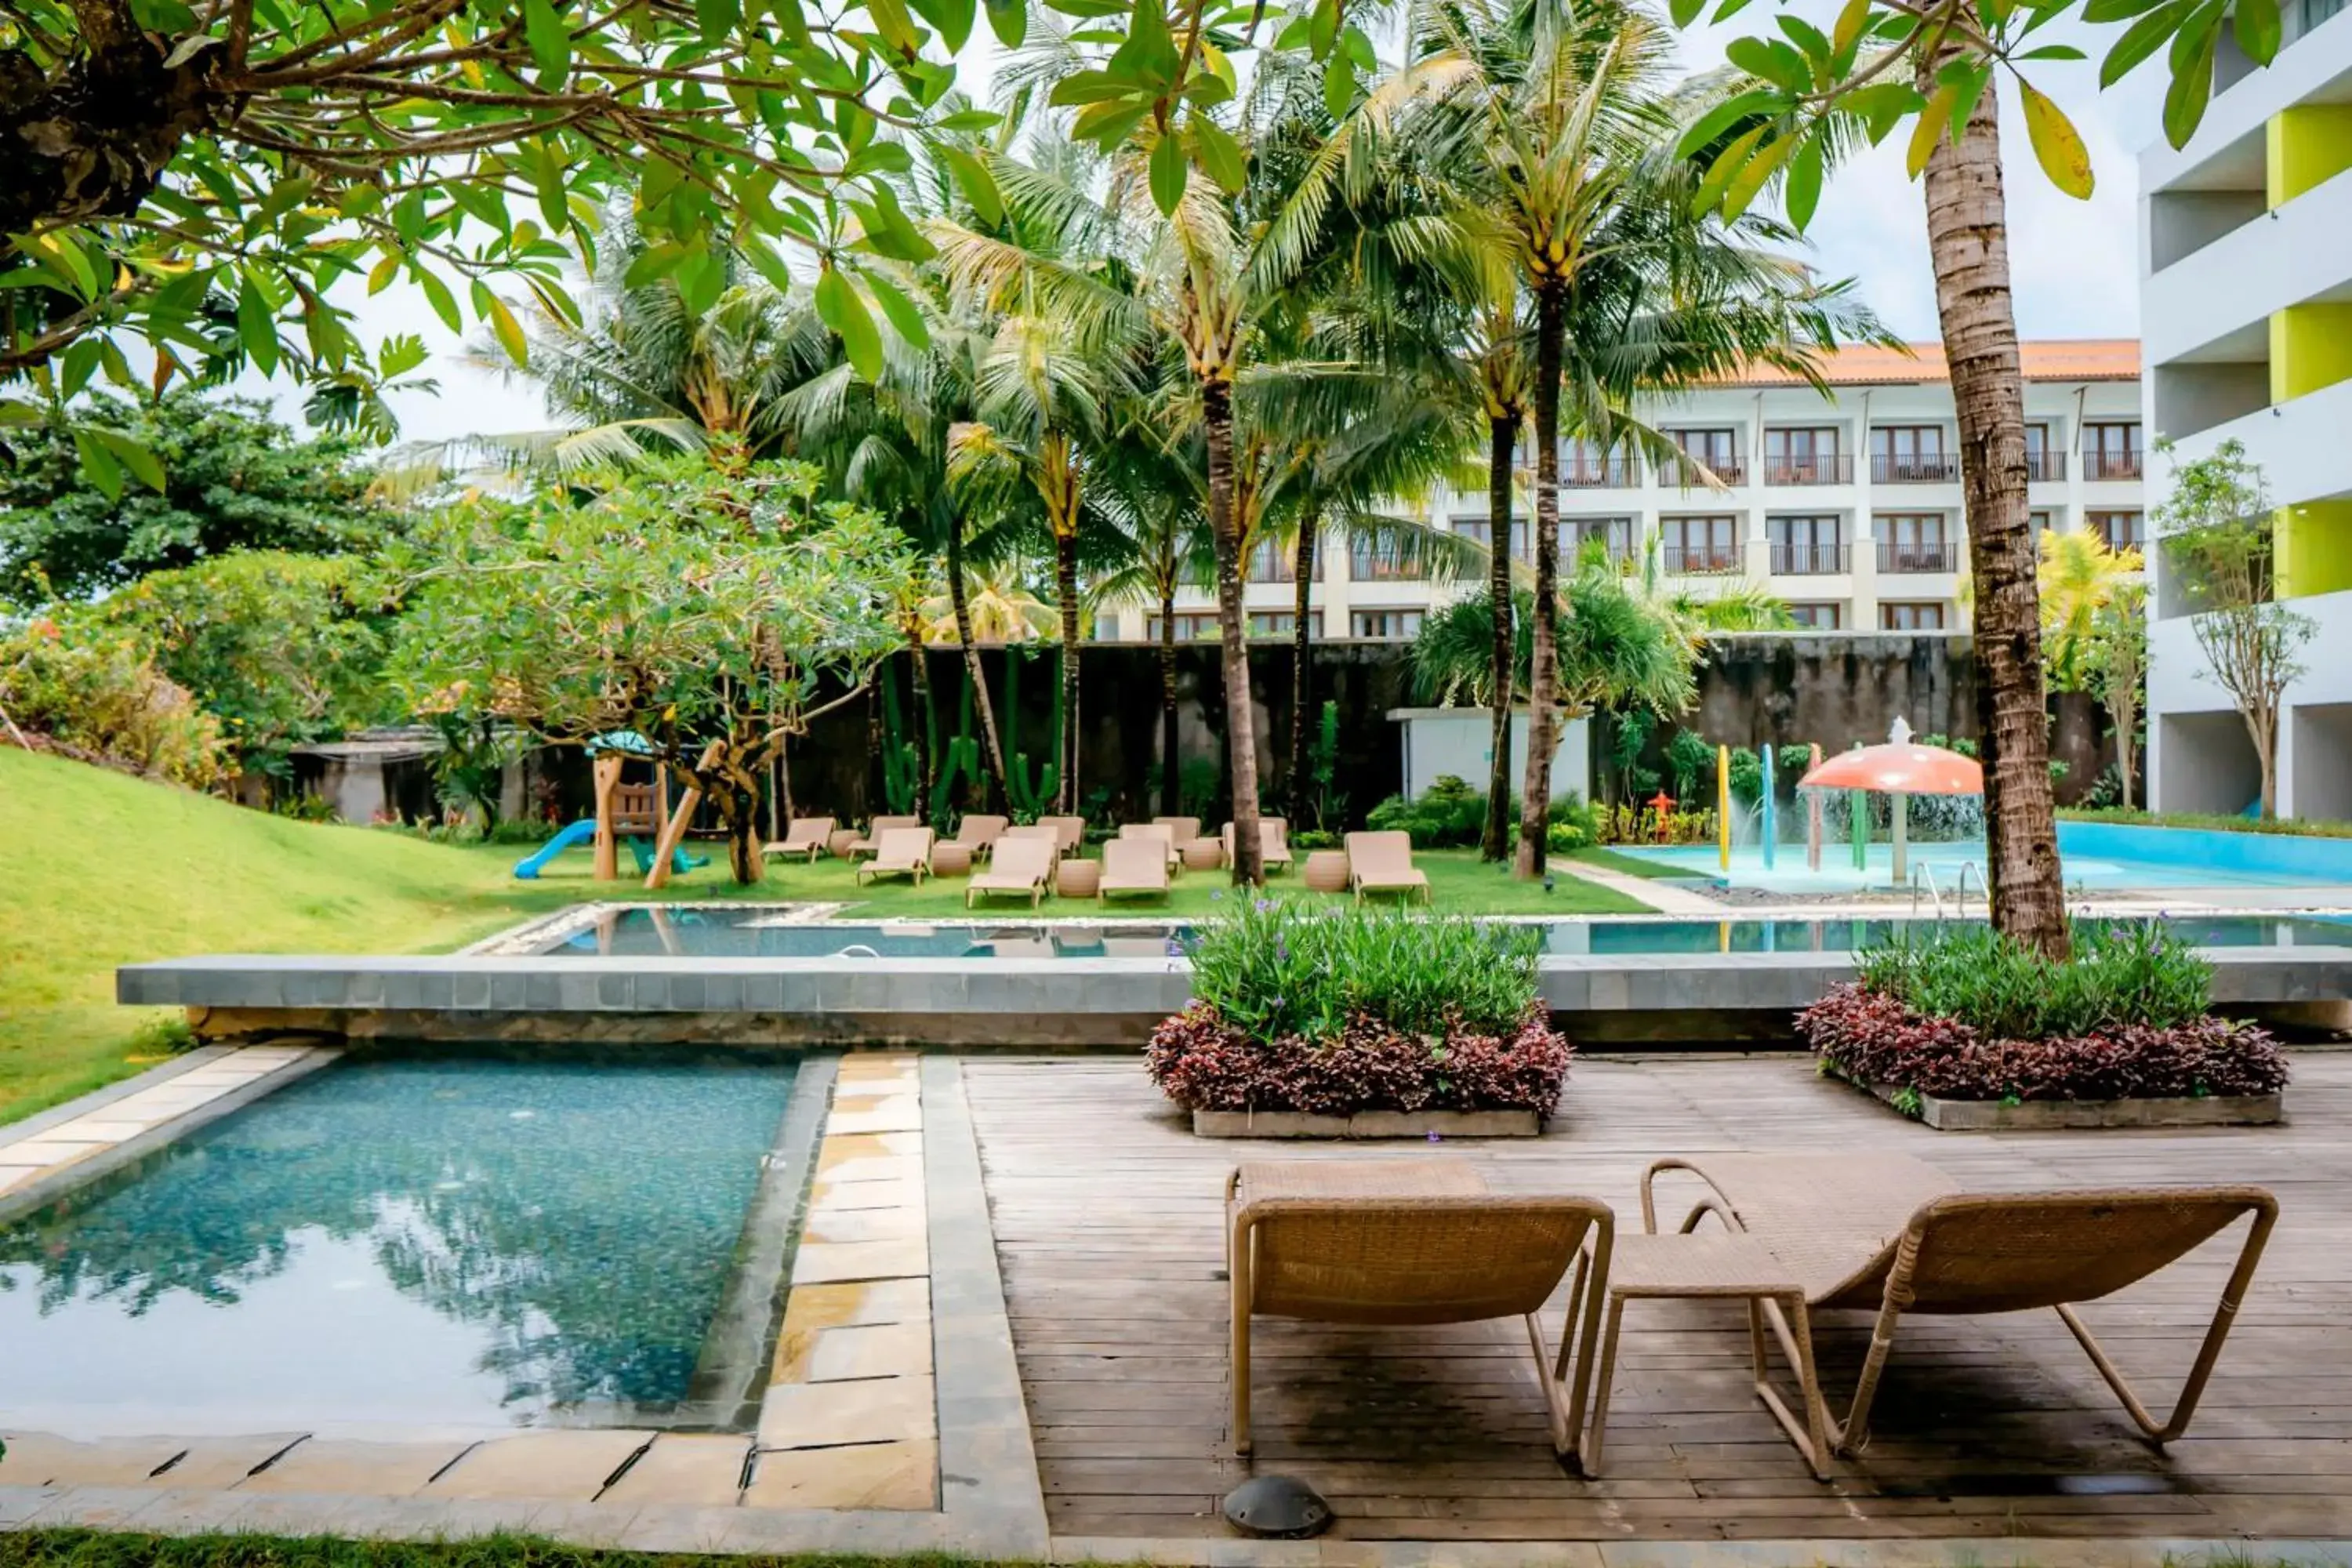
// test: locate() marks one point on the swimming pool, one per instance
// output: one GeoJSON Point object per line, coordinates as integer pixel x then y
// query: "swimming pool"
{"type": "Point", "coordinates": [405, 1238]}
{"type": "Point", "coordinates": [2094, 856]}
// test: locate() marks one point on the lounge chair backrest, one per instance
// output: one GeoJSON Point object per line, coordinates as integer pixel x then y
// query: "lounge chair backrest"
{"type": "Point", "coordinates": [2011, 1252]}
{"type": "Point", "coordinates": [975, 830]}
{"type": "Point", "coordinates": [902, 847]}
{"type": "Point", "coordinates": [1135, 862]}
{"type": "Point", "coordinates": [1071, 831]}
{"type": "Point", "coordinates": [1022, 860]}
{"type": "Point", "coordinates": [808, 830]}
{"type": "Point", "coordinates": [1183, 830]}
{"type": "Point", "coordinates": [1044, 831]}
{"type": "Point", "coordinates": [1372, 855]}
{"type": "Point", "coordinates": [1269, 836]}
{"type": "Point", "coordinates": [883, 824]}
{"type": "Point", "coordinates": [1161, 831]}
{"type": "Point", "coordinates": [1414, 1260]}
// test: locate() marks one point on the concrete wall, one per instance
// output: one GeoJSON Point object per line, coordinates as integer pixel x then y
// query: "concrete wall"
{"type": "Point", "coordinates": [1460, 742]}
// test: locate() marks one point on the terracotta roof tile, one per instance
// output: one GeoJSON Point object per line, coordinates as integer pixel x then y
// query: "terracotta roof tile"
{"type": "Point", "coordinates": [2055, 359]}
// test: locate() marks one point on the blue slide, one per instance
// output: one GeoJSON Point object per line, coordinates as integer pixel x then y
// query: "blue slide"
{"type": "Point", "coordinates": [679, 860]}
{"type": "Point", "coordinates": [581, 832]}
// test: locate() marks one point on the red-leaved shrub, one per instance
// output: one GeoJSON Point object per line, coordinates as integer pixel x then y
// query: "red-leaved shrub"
{"type": "Point", "coordinates": [1874, 1039]}
{"type": "Point", "coordinates": [1203, 1063]}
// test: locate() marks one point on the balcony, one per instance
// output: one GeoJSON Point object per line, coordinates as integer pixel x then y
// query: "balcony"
{"type": "Point", "coordinates": [1685, 473]}
{"type": "Point", "coordinates": [1701, 561]}
{"type": "Point", "coordinates": [1913, 559]}
{"type": "Point", "coordinates": [1811, 560]}
{"type": "Point", "coordinates": [1825, 468]}
{"type": "Point", "coordinates": [1925, 468]}
{"type": "Point", "coordinates": [1382, 566]}
{"type": "Point", "coordinates": [2044, 465]}
{"type": "Point", "coordinates": [1580, 473]}
{"type": "Point", "coordinates": [2112, 465]}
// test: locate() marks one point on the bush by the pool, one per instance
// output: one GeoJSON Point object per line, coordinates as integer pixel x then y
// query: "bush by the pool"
{"type": "Point", "coordinates": [1967, 1014]}
{"type": "Point", "coordinates": [1302, 1007]}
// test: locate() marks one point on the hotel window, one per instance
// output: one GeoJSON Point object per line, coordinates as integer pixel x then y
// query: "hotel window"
{"type": "Point", "coordinates": [1616, 534]}
{"type": "Point", "coordinates": [1804, 455]}
{"type": "Point", "coordinates": [1700, 544]}
{"type": "Point", "coordinates": [2111, 450]}
{"type": "Point", "coordinates": [1191, 626]}
{"type": "Point", "coordinates": [2044, 520]}
{"type": "Point", "coordinates": [1281, 623]}
{"type": "Point", "coordinates": [1475, 528]}
{"type": "Point", "coordinates": [1272, 562]}
{"type": "Point", "coordinates": [1916, 542]}
{"type": "Point", "coordinates": [1585, 466]}
{"type": "Point", "coordinates": [1909, 455]}
{"type": "Point", "coordinates": [1911, 618]}
{"type": "Point", "coordinates": [1819, 618]}
{"type": "Point", "coordinates": [1384, 624]}
{"type": "Point", "coordinates": [1807, 546]}
{"type": "Point", "coordinates": [2044, 461]}
{"type": "Point", "coordinates": [2121, 530]}
{"type": "Point", "coordinates": [1716, 448]}
{"type": "Point", "coordinates": [1369, 561]}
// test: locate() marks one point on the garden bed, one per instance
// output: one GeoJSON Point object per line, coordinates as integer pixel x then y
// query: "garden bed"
{"type": "Point", "coordinates": [2042, 1115]}
{"type": "Point", "coordinates": [1418, 1124]}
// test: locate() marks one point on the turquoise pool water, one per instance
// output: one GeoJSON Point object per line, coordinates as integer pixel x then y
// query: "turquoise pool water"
{"type": "Point", "coordinates": [400, 1238]}
{"type": "Point", "coordinates": [2114, 868]}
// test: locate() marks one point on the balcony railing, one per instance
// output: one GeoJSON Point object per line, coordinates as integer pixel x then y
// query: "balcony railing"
{"type": "Point", "coordinates": [2045, 465]}
{"type": "Point", "coordinates": [1382, 566]}
{"type": "Point", "coordinates": [2111, 465]}
{"type": "Point", "coordinates": [1927, 469]}
{"type": "Point", "coordinates": [1917, 558]}
{"type": "Point", "coordinates": [1613, 473]}
{"type": "Point", "coordinates": [1701, 561]}
{"type": "Point", "coordinates": [1810, 560]}
{"type": "Point", "coordinates": [1825, 468]}
{"type": "Point", "coordinates": [1685, 472]}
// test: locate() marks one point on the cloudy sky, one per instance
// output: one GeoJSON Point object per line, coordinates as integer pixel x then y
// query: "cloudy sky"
{"type": "Point", "coordinates": [2073, 260]}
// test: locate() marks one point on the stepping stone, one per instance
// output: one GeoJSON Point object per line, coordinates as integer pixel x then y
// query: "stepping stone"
{"type": "Point", "coordinates": [574, 1464]}
{"type": "Point", "coordinates": [838, 1262]}
{"type": "Point", "coordinates": [902, 1476]}
{"type": "Point", "coordinates": [217, 1462]}
{"type": "Point", "coordinates": [689, 1468]}
{"type": "Point", "coordinates": [823, 1415]}
{"type": "Point", "coordinates": [368, 1469]}
{"type": "Point", "coordinates": [37, 1460]}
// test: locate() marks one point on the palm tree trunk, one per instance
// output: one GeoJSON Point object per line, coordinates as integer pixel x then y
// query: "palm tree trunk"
{"type": "Point", "coordinates": [1967, 241]}
{"type": "Point", "coordinates": [1502, 432]}
{"type": "Point", "coordinates": [1240, 721]}
{"type": "Point", "coordinates": [1543, 674]}
{"type": "Point", "coordinates": [1066, 586]}
{"type": "Point", "coordinates": [1302, 669]}
{"type": "Point", "coordinates": [923, 720]}
{"type": "Point", "coordinates": [1169, 796]}
{"type": "Point", "coordinates": [956, 597]}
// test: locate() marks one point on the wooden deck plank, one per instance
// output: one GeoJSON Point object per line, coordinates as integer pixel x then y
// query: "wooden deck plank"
{"type": "Point", "coordinates": [1107, 1223]}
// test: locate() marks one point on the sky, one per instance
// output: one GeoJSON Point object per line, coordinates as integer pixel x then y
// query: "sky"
{"type": "Point", "coordinates": [2073, 262]}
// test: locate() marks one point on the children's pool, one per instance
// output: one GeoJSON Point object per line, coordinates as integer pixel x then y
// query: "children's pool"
{"type": "Point", "coordinates": [2095, 857]}
{"type": "Point", "coordinates": [404, 1238]}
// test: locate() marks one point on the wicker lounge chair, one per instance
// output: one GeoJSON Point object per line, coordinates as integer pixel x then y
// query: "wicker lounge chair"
{"type": "Point", "coordinates": [806, 836]}
{"type": "Point", "coordinates": [980, 833]}
{"type": "Point", "coordinates": [902, 852]}
{"type": "Point", "coordinates": [1070, 832]}
{"type": "Point", "coordinates": [1021, 867]}
{"type": "Point", "coordinates": [1133, 865]}
{"type": "Point", "coordinates": [1382, 863]}
{"type": "Point", "coordinates": [1183, 830]}
{"type": "Point", "coordinates": [1406, 1243]}
{"type": "Point", "coordinates": [1159, 833]}
{"type": "Point", "coordinates": [875, 829]}
{"type": "Point", "coordinates": [1273, 843]}
{"type": "Point", "coordinates": [1891, 1235]}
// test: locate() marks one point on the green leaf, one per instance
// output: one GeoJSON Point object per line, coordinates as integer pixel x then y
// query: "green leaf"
{"type": "Point", "coordinates": [437, 295]}
{"type": "Point", "coordinates": [952, 19]}
{"type": "Point", "coordinates": [1339, 86]}
{"type": "Point", "coordinates": [257, 327]}
{"type": "Point", "coordinates": [503, 325]}
{"type": "Point", "coordinates": [1107, 125]}
{"type": "Point", "coordinates": [718, 19]}
{"type": "Point", "coordinates": [1932, 122]}
{"type": "Point", "coordinates": [1220, 156]}
{"type": "Point", "coordinates": [1749, 182]}
{"type": "Point", "coordinates": [547, 177]}
{"type": "Point", "coordinates": [1882, 106]}
{"type": "Point", "coordinates": [2192, 85]}
{"type": "Point", "coordinates": [2057, 145]}
{"type": "Point", "coordinates": [1726, 168]}
{"type": "Point", "coordinates": [839, 308]}
{"type": "Point", "coordinates": [1723, 116]}
{"type": "Point", "coordinates": [2099, 13]}
{"type": "Point", "coordinates": [1322, 28]}
{"type": "Point", "coordinates": [551, 42]}
{"type": "Point", "coordinates": [1806, 36]}
{"type": "Point", "coordinates": [653, 264]}
{"type": "Point", "coordinates": [896, 25]}
{"type": "Point", "coordinates": [1804, 189]}
{"type": "Point", "coordinates": [98, 465]}
{"type": "Point", "coordinates": [900, 311]}
{"type": "Point", "coordinates": [1168, 171]}
{"type": "Point", "coordinates": [972, 178]}
{"type": "Point", "coordinates": [1773, 61]}
{"type": "Point", "coordinates": [2053, 52]}
{"type": "Point", "coordinates": [2259, 33]}
{"type": "Point", "coordinates": [1847, 34]}
{"type": "Point", "coordinates": [2142, 38]}
{"type": "Point", "coordinates": [132, 455]}
{"type": "Point", "coordinates": [1686, 12]}
{"type": "Point", "coordinates": [1009, 20]}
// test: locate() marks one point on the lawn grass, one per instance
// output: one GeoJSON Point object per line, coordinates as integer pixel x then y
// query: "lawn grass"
{"type": "Point", "coordinates": [109, 869]}
{"type": "Point", "coordinates": [1631, 865]}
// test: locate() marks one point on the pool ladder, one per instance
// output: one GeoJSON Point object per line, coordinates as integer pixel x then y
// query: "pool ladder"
{"type": "Point", "coordinates": [1923, 879]}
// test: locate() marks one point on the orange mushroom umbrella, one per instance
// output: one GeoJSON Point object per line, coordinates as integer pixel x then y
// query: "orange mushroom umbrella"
{"type": "Point", "coordinates": [1898, 767]}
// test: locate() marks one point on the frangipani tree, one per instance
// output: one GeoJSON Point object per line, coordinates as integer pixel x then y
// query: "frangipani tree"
{"type": "Point", "coordinates": [713, 612]}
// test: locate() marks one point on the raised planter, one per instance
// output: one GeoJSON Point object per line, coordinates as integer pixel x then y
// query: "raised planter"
{"type": "Point", "coordinates": [2050, 1115]}
{"type": "Point", "coordinates": [1422, 1124]}
{"type": "Point", "coordinates": [951, 860]}
{"type": "Point", "coordinates": [1077, 878]}
{"type": "Point", "coordinates": [1327, 872]}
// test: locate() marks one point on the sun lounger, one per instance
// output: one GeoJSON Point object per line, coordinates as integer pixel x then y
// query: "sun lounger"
{"type": "Point", "coordinates": [1887, 1233]}
{"type": "Point", "coordinates": [1183, 830]}
{"type": "Point", "coordinates": [980, 833]}
{"type": "Point", "coordinates": [875, 829]}
{"type": "Point", "coordinates": [1133, 865]}
{"type": "Point", "coordinates": [901, 852]}
{"type": "Point", "coordinates": [1070, 832]}
{"type": "Point", "coordinates": [1159, 833]}
{"type": "Point", "coordinates": [1021, 867]}
{"type": "Point", "coordinates": [805, 837]}
{"type": "Point", "coordinates": [1273, 843]}
{"type": "Point", "coordinates": [1407, 1243]}
{"type": "Point", "coordinates": [1382, 863]}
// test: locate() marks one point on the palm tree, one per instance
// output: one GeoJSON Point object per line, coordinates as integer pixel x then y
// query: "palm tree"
{"type": "Point", "coordinates": [2079, 576]}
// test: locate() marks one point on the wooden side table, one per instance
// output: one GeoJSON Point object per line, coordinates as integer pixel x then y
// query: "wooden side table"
{"type": "Point", "coordinates": [951, 860]}
{"type": "Point", "coordinates": [1327, 872]}
{"type": "Point", "coordinates": [1077, 878]}
{"type": "Point", "coordinates": [1718, 1266]}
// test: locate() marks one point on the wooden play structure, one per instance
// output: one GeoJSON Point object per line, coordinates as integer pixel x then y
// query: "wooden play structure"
{"type": "Point", "coordinates": [636, 810]}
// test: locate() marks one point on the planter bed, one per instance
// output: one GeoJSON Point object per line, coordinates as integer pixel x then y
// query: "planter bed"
{"type": "Point", "coordinates": [1420, 1124]}
{"type": "Point", "coordinates": [2050, 1115]}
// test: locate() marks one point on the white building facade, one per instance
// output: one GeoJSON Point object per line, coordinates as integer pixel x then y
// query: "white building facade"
{"type": "Point", "coordinates": [2246, 325]}
{"type": "Point", "coordinates": [1849, 508]}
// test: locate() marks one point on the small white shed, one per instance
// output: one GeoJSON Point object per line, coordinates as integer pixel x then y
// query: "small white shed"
{"type": "Point", "coordinates": [1459, 741]}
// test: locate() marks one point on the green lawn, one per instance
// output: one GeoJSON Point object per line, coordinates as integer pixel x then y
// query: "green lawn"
{"type": "Point", "coordinates": [109, 869]}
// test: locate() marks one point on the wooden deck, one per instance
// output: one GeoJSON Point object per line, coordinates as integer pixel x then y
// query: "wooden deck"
{"type": "Point", "coordinates": [1107, 1214]}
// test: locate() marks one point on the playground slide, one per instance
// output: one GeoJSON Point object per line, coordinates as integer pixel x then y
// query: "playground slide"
{"type": "Point", "coordinates": [679, 860]}
{"type": "Point", "coordinates": [581, 832]}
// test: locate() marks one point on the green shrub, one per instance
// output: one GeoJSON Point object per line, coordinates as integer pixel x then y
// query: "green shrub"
{"type": "Point", "coordinates": [1563, 837]}
{"type": "Point", "coordinates": [1314, 838]}
{"type": "Point", "coordinates": [95, 692]}
{"type": "Point", "coordinates": [1278, 967]}
{"type": "Point", "coordinates": [2122, 974]}
{"type": "Point", "coordinates": [1449, 815]}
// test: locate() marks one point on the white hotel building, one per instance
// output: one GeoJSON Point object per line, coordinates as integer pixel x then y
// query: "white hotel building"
{"type": "Point", "coordinates": [2246, 325]}
{"type": "Point", "coordinates": [1848, 507]}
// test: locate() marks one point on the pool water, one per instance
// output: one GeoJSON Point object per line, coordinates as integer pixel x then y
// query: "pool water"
{"type": "Point", "coordinates": [2109, 873]}
{"type": "Point", "coordinates": [400, 1238]}
{"type": "Point", "coordinates": [1626, 937]}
